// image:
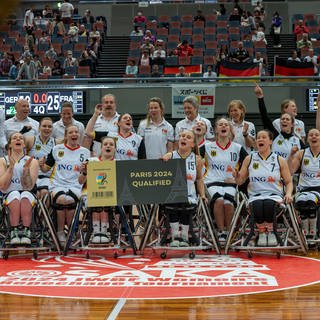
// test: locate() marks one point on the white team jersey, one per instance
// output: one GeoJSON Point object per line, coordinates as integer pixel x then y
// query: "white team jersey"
{"type": "Point", "coordinates": [40, 150]}
{"type": "Point", "coordinates": [238, 136]}
{"type": "Point", "coordinates": [187, 124]}
{"type": "Point", "coordinates": [103, 125]}
{"type": "Point", "coordinates": [282, 146]}
{"type": "Point", "coordinates": [191, 171]}
{"type": "Point", "coordinates": [156, 137]}
{"type": "Point", "coordinates": [299, 130]}
{"type": "Point", "coordinates": [127, 148]}
{"type": "Point", "coordinates": [310, 170]}
{"type": "Point", "coordinates": [220, 162]}
{"type": "Point", "coordinates": [264, 177]}
{"type": "Point", "coordinates": [17, 174]}
{"type": "Point", "coordinates": [67, 163]}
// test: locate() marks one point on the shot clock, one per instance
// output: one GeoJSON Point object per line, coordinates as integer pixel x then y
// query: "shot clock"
{"type": "Point", "coordinates": [42, 102]}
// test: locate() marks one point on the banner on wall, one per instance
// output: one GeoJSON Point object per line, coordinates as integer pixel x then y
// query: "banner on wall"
{"type": "Point", "coordinates": [204, 93]}
{"type": "Point", "coordinates": [111, 183]}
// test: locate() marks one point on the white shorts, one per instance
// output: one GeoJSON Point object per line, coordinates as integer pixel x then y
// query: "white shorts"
{"type": "Point", "coordinates": [264, 197]}
{"type": "Point", "coordinates": [76, 191]}
{"type": "Point", "coordinates": [227, 193]}
{"type": "Point", "coordinates": [44, 183]}
{"type": "Point", "coordinates": [308, 196]}
{"type": "Point", "coordinates": [19, 195]}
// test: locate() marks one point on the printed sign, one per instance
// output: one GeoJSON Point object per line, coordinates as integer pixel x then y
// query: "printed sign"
{"type": "Point", "coordinates": [113, 183]}
{"type": "Point", "coordinates": [204, 93]}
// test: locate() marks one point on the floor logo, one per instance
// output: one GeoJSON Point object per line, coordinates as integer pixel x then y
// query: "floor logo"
{"type": "Point", "coordinates": [135, 277]}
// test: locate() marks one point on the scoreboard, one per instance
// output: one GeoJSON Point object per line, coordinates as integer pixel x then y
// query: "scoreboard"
{"type": "Point", "coordinates": [42, 102]}
{"type": "Point", "coordinates": [311, 99]}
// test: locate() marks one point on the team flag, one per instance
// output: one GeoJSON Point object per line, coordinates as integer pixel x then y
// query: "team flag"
{"type": "Point", "coordinates": [238, 69]}
{"type": "Point", "coordinates": [284, 67]}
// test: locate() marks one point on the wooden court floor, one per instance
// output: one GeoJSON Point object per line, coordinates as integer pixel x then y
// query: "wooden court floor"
{"type": "Point", "coordinates": [299, 303]}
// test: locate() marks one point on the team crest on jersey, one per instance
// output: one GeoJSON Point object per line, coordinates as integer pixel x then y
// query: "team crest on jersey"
{"type": "Point", "coordinates": [38, 147]}
{"type": "Point", "coordinates": [280, 142]}
{"type": "Point", "coordinates": [213, 153]}
{"type": "Point", "coordinates": [306, 162]}
{"type": "Point", "coordinates": [61, 154]}
{"type": "Point", "coordinates": [255, 165]}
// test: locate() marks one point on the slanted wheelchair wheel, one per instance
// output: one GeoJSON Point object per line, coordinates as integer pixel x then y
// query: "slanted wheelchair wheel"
{"type": "Point", "coordinates": [163, 255]}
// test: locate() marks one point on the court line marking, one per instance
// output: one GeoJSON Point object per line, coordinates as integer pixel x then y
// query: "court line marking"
{"type": "Point", "coordinates": [116, 310]}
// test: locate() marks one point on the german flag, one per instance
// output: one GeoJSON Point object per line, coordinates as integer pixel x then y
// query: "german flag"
{"type": "Point", "coordinates": [284, 67]}
{"type": "Point", "coordinates": [188, 69]}
{"type": "Point", "coordinates": [238, 69]}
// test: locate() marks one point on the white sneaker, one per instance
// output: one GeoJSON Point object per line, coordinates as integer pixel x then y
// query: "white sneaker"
{"type": "Point", "coordinates": [222, 236]}
{"type": "Point", "coordinates": [272, 239]}
{"type": "Point", "coordinates": [62, 237]}
{"type": "Point", "coordinates": [14, 237]}
{"type": "Point", "coordinates": [105, 238]}
{"type": "Point", "coordinates": [96, 238]}
{"type": "Point", "coordinates": [262, 240]}
{"type": "Point", "coordinates": [174, 243]}
{"type": "Point", "coordinates": [26, 235]}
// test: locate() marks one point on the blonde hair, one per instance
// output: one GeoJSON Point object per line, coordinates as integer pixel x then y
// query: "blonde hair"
{"type": "Point", "coordinates": [240, 105]}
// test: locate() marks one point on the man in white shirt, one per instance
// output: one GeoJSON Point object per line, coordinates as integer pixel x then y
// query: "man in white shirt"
{"type": "Point", "coordinates": [66, 11]}
{"type": "Point", "coordinates": [210, 73]}
{"type": "Point", "coordinates": [191, 110]}
{"type": "Point", "coordinates": [105, 118]}
{"type": "Point", "coordinates": [21, 122]}
{"type": "Point", "coordinates": [311, 57]}
{"type": "Point", "coordinates": [29, 22]}
{"type": "Point", "coordinates": [67, 119]}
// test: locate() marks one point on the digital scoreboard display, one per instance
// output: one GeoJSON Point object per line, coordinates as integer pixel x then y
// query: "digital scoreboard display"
{"type": "Point", "coordinates": [311, 99]}
{"type": "Point", "coordinates": [42, 102]}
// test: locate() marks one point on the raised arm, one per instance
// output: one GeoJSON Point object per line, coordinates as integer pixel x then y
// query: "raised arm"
{"type": "Point", "coordinates": [91, 123]}
{"type": "Point", "coordinates": [267, 123]}
{"type": "Point", "coordinates": [242, 175]}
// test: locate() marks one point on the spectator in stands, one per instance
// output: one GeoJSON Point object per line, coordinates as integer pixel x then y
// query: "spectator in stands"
{"type": "Point", "coordinates": [21, 122]}
{"type": "Point", "coordinates": [87, 59]}
{"type": "Point", "coordinates": [258, 22]}
{"type": "Point", "coordinates": [147, 45]}
{"type": "Point", "coordinates": [45, 38]}
{"type": "Point", "coordinates": [58, 27]}
{"type": "Point", "coordinates": [14, 70]}
{"type": "Point", "coordinates": [137, 31]}
{"type": "Point", "coordinates": [210, 73]}
{"type": "Point", "coordinates": [30, 40]}
{"type": "Point", "coordinates": [95, 34]}
{"type": "Point", "coordinates": [28, 69]}
{"type": "Point", "coordinates": [139, 18]}
{"type": "Point", "coordinates": [66, 119]}
{"type": "Point", "coordinates": [57, 70]}
{"type": "Point", "coordinates": [88, 17]}
{"type": "Point", "coordinates": [94, 45]}
{"type": "Point", "coordinates": [73, 33]}
{"type": "Point", "coordinates": [235, 16]}
{"type": "Point", "coordinates": [245, 19]}
{"type": "Point", "coordinates": [294, 56]}
{"type": "Point", "coordinates": [258, 35]}
{"type": "Point", "coordinates": [46, 71]}
{"type": "Point", "coordinates": [149, 35]}
{"type": "Point", "coordinates": [66, 11]}
{"type": "Point", "coordinates": [51, 54]}
{"type": "Point", "coordinates": [5, 65]}
{"type": "Point", "coordinates": [47, 12]}
{"type": "Point", "coordinates": [38, 63]}
{"type": "Point", "coordinates": [258, 6]}
{"type": "Point", "coordinates": [156, 71]}
{"type": "Point", "coordinates": [222, 10]}
{"type": "Point", "coordinates": [237, 6]}
{"type": "Point", "coordinates": [240, 54]}
{"type": "Point", "coordinates": [311, 57]}
{"type": "Point", "coordinates": [182, 73]}
{"type": "Point", "coordinates": [131, 67]}
{"type": "Point", "coordinates": [28, 22]}
{"type": "Point", "coordinates": [184, 49]}
{"type": "Point", "coordinates": [199, 16]}
{"type": "Point", "coordinates": [159, 55]}
{"type": "Point", "coordinates": [145, 59]}
{"type": "Point", "coordinates": [275, 29]}
{"type": "Point", "coordinates": [262, 63]}
{"type": "Point", "coordinates": [304, 42]}
{"type": "Point", "coordinates": [82, 31]}
{"type": "Point", "coordinates": [70, 61]}
{"type": "Point", "coordinates": [300, 28]}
